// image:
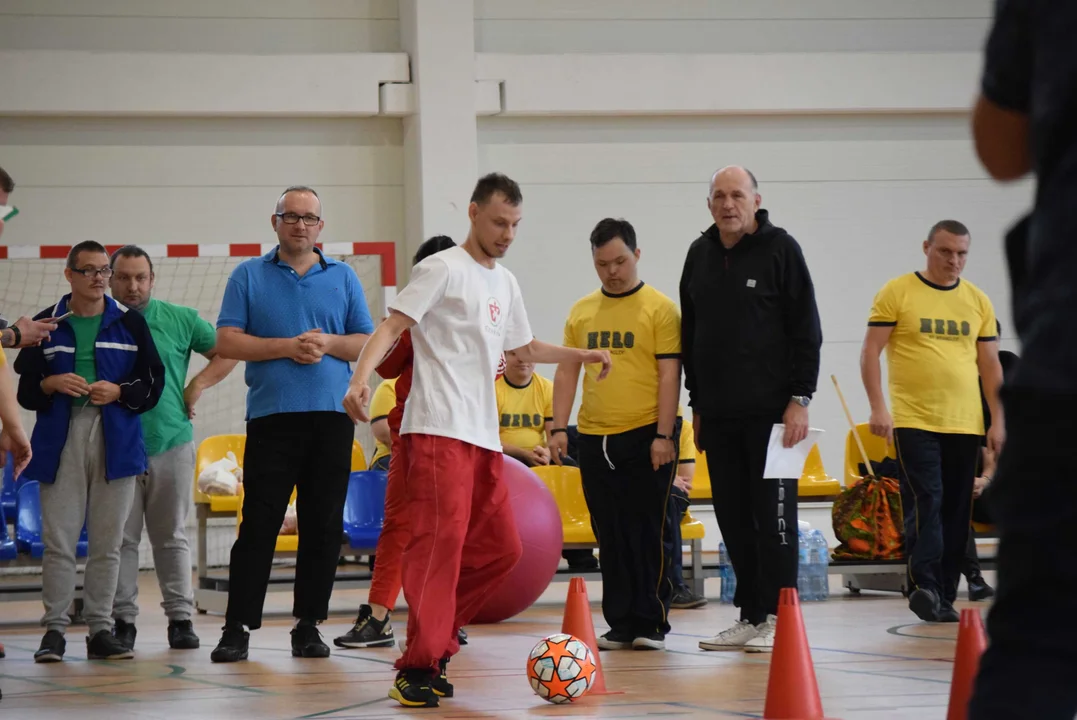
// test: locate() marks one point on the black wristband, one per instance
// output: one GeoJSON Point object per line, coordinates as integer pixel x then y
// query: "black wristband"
{"type": "Point", "coordinates": [664, 437]}
{"type": "Point", "coordinates": [18, 335]}
{"type": "Point", "coordinates": [559, 430]}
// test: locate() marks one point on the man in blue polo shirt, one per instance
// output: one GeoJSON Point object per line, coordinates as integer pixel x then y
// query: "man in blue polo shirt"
{"type": "Point", "coordinates": [298, 319]}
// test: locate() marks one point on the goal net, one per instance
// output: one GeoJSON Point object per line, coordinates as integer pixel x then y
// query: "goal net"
{"type": "Point", "coordinates": [27, 286]}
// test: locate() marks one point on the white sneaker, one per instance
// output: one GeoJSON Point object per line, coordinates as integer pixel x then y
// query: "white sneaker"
{"type": "Point", "coordinates": [763, 642]}
{"type": "Point", "coordinates": [733, 638]}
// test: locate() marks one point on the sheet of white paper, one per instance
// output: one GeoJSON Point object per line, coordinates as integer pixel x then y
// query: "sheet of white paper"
{"type": "Point", "coordinates": [783, 462]}
{"type": "Point", "coordinates": [6, 212]}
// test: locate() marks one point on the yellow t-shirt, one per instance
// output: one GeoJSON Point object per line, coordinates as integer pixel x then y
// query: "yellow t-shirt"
{"type": "Point", "coordinates": [524, 411]}
{"type": "Point", "coordinates": [687, 452]}
{"type": "Point", "coordinates": [931, 356]}
{"type": "Point", "coordinates": [638, 328]}
{"type": "Point", "coordinates": [383, 401]}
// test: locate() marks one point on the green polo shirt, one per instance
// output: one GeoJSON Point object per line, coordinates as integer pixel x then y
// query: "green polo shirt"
{"type": "Point", "coordinates": [176, 331]}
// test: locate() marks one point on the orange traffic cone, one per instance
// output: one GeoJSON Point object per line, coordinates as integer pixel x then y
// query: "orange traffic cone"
{"type": "Point", "coordinates": [791, 690]}
{"type": "Point", "coordinates": [578, 623]}
{"type": "Point", "coordinates": [971, 643]}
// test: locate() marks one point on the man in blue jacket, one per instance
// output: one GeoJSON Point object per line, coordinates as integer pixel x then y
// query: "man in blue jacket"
{"type": "Point", "coordinates": [88, 384]}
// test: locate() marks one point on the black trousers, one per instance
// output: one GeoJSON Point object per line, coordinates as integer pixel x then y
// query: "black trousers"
{"type": "Point", "coordinates": [980, 514]}
{"type": "Point", "coordinates": [757, 517]}
{"type": "Point", "coordinates": [1030, 664]}
{"type": "Point", "coordinates": [627, 499]}
{"type": "Point", "coordinates": [309, 452]}
{"type": "Point", "coordinates": [937, 472]}
{"type": "Point", "coordinates": [675, 511]}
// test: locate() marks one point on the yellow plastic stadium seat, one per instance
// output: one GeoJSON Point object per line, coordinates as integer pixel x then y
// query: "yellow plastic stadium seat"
{"type": "Point", "coordinates": [814, 482]}
{"type": "Point", "coordinates": [211, 450]}
{"type": "Point", "coordinates": [358, 457]}
{"type": "Point", "coordinates": [691, 529]}
{"type": "Point", "coordinates": [565, 485]}
{"type": "Point", "coordinates": [876, 447]}
{"type": "Point", "coordinates": [285, 543]}
{"type": "Point", "coordinates": [701, 481]}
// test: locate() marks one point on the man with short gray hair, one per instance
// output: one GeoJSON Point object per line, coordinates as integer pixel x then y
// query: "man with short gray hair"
{"type": "Point", "coordinates": [298, 319]}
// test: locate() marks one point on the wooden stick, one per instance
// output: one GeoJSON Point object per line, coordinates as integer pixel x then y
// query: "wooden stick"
{"type": "Point", "coordinates": [852, 426]}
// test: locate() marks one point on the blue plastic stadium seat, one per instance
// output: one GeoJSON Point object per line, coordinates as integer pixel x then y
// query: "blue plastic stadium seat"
{"type": "Point", "coordinates": [8, 551]}
{"type": "Point", "coordinates": [364, 508]}
{"type": "Point", "coordinates": [28, 523]}
{"type": "Point", "coordinates": [8, 487]}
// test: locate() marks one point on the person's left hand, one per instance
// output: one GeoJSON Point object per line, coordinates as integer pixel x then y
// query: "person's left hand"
{"type": "Point", "coordinates": [685, 484]}
{"type": "Point", "coordinates": [996, 437]}
{"type": "Point", "coordinates": [663, 452]}
{"type": "Point", "coordinates": [542, 454]}
{"type": "Point", "coordinates": [190, 397]}
{"type": "Point", "coordinates": [978, 486]}
{"type": "Point", "coordinates": [103, 392]}
{"type": "Point", "coordinates": [356, 401]}
{"type": "Point", "coordinates": [796, 424]}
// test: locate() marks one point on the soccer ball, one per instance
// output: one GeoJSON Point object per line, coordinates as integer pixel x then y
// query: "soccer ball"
{"type": "Point", "coordinates": [561, 668]}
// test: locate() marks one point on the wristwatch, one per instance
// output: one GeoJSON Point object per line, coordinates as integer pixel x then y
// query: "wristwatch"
{"type": "Point", "coordinates": [801, 400]}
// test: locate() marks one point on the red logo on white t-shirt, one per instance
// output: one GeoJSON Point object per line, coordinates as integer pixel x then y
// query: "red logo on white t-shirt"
{"type": "Point", "coordinates": [495, 311]}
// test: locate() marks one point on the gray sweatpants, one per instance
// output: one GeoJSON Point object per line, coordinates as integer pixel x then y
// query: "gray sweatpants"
{"type": "Point", "coordinates": [163, 498]}
{"type": "Point", "coordinates": [81, 494]}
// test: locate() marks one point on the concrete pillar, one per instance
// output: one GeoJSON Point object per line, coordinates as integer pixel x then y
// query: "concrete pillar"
{"type": "Point", "coordinates": [440, 138]}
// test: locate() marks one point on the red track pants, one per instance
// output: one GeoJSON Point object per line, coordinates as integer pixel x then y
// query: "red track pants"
{"type": "Point", "coordinates": [395, 530]}
{"type": "Point", "coordinates": [463, 542]}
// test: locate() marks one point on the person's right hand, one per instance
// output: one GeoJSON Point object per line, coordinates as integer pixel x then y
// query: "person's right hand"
{"type": "Point", "coordinates": [978, 486]}
{"type": "Point", "coordinates": [305, 352]}
{"type": "Point", "coordinates": [66, 383]}
{"type": "Point", "coordinates": [34, 331]}
{"type": "Point", "coordinates": [881, 424]}
{"type": "Point", "coordinates": [13, 440]}
{"type": "Point", "coordinates": [558, 444]}
{"type": "Point", "coordinates": [540, 455]}
{"type": "Point", "coordinates": [356, 401]}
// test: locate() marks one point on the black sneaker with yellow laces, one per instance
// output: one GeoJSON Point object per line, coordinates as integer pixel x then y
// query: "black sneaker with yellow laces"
{"type": "Point", "coordinates": [412, 689]}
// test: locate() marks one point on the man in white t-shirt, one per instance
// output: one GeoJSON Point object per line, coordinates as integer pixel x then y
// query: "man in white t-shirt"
{"type": "Point", "coordinates": [463, 310]}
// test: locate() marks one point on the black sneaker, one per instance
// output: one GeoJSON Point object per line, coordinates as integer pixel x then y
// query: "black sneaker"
{"type": "Point", "coordinates": [650, 641]}
{"type": "Point", "coordinates": [233, 644]}
{"type": "Point", "coordinates": [685, 599]}
{"type": "Point", "coordinates": [181, 635]}
{"type": "Point", "coordinates": [925, 604]}
{"type": "Point", "coordinates": [125, 632]}
{"type": "Point", "coordinates": [367, 632]}
{"type": "Point", "coordinates": [461, 637]}
{"type": "Point", "coordinates": [307, 641]}
{"type": "Point", "coordinates": [412, 689]}
{"type": "Point", "coordinates": [947, 613]}
{"type": "Point", "coordinates": [440, 683]}
{"type": "Point", "coordinates": [614, 640]}
{"type": "Point", "coordinates": [52, 647]}
{"type": "Point", "coordinates": [106, 646]}
{"type": "Point", "coordinates": [979, 589]}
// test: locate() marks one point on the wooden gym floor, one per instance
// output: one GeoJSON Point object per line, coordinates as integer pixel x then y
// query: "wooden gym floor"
{"type": "Point", "coordinates": [873, 659]}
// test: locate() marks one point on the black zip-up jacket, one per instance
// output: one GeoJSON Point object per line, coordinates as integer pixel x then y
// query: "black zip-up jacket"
{"type": "Point", "coordinates": [750, 330]}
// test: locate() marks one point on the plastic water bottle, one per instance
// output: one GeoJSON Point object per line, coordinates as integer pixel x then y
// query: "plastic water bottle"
{"type": "Point", "coordinates": [726, 575]}
{"type": "Point", "coordinates": [820, 557]}
{"type": "Point", "coordinates": [804, 567]}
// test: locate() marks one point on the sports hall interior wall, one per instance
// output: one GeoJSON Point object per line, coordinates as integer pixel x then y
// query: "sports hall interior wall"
{"type": "Point", "coordinates": [852, 114]}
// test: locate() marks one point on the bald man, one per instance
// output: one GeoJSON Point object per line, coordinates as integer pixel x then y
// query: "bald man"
{"type": "Point", "coordinates": [750, 340]}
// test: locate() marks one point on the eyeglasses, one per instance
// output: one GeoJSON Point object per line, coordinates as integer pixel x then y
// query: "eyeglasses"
{"type": "Point", "coordinates": [105, 272]}
{"type": "Point", "coordinates": [291, 218]}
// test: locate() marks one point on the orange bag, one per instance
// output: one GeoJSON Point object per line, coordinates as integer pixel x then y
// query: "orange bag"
{"type": "Point", "coordinates": [867, 517]}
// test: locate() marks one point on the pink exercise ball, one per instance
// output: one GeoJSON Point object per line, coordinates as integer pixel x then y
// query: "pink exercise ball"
{"type": "Point", "coordinates": [538, 522]}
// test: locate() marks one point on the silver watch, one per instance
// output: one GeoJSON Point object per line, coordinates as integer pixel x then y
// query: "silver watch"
{"type": "Point", "coordinates": [801, 400]}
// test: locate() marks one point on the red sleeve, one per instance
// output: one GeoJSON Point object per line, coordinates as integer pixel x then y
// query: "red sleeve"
{"type": "Point", "coordinates": [500, 367]}
{"type": "Point", "coordinates": [398, 357]}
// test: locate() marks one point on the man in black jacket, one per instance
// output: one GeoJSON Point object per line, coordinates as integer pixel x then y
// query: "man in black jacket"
{"type": "Point", "coordinates": [750, 336]}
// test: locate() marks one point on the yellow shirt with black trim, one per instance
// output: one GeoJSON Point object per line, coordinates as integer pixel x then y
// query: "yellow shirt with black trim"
{"type": "Point", "coordinates": [639, 328]}
{"type": "Point", "coordinates": [931, 355]}
{"type": "Point", "coordinates": [383, 401]}
{"type": "Point", "coordinates": [687, 452]}
{"type": "Point", "coordinates": [523, 411]}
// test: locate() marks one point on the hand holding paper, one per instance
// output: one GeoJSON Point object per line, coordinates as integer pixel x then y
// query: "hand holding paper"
{"type": "Point", "coordinates": [783, 462]}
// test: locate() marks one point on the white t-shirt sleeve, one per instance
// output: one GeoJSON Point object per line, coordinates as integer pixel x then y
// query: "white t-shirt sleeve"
{"type": "Point", "coordinates": [518, 330]}
{"type": "Point", "coordinates": [425, 289]}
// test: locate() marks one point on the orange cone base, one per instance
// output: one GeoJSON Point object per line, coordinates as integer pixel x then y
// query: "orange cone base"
{"type": "Point", "coordinates": [578, 623]}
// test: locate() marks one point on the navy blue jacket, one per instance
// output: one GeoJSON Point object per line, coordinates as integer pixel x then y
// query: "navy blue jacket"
{"type": "Point", "coordinates": [124, 355]}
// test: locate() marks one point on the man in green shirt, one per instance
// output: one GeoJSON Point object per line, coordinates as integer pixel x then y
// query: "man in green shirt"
{"type": "Point", "coordinates": [163, 493]}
